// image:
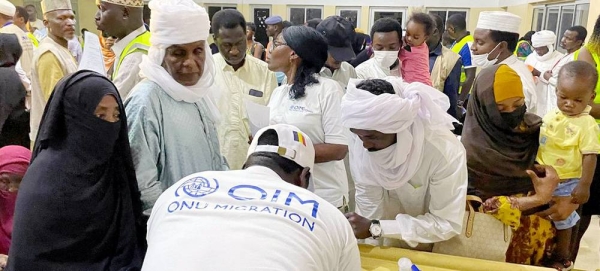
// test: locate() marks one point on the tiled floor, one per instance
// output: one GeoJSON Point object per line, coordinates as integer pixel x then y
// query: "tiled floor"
{"type": "Point", "coordinates": [589, 251]}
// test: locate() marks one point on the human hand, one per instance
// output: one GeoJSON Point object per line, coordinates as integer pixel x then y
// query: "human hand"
{"type": "Point", "coordinates": [547, 75]}
{"type": "Point", "coordinates": [491, 205]}
{"type": "Point", "coordinates": [360, 225]}
{"type": "Point", "coordinates": [544, 179]}
{"type": "Point", "coordinates": [3, 260]}
{"type": "Point", "coordinates": [581, 194]}
{"type": "Point", "coordinates": [560, 209]}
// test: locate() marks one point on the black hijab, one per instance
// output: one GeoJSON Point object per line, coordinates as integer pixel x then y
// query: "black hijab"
{"type": "Point", "coordinates": [78, 206]}
{"type": "Point", "coordinates": [497, 155]}
{"type": "Point", "coordinates": [13, 129]}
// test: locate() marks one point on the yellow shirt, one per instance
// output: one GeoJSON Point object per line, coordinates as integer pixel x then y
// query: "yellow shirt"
{"type": "Point", "coordinates": [253, 81]}
{"type": "Point", "coordinates": [51, 62]}
{"type": "Point", "coordinates": [50, 72]}
{"type": "Point", "coordinates": [564, 140]}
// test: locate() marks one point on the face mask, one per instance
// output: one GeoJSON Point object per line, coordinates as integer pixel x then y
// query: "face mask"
{"type": "Point", "coordinates": [547, 56]}
{"type": "Point", "coordinates": [385, 58]}
{"type": "Point", "coordinates": [513, 119]}
{"type": "Point", "coordinates": [482, 60]}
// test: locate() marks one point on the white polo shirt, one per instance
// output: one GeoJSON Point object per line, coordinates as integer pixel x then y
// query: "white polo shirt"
{"type": "Point", "coordinates": [317, 114]}
{"type": "Point", "coordinates": [247, 220]}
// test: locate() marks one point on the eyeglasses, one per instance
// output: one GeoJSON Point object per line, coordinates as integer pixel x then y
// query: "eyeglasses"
{"type": "Point", "coordinates": [277, 44]}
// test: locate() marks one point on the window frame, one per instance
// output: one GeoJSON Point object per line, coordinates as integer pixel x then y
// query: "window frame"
{"type": "Point", "coordinates": [374, 9]}
{"type": "Point", "coordinates": [448, 10]}
{"type": "Point", "coordinates": [545, 16]}
{"type": "Point", "coordinates": [290, 7]}
{"type": "Point", "coordinates": [339, 9]}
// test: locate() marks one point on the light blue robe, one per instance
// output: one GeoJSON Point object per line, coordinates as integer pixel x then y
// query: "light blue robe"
{"type": "Point", "coordinates": [169, 140]}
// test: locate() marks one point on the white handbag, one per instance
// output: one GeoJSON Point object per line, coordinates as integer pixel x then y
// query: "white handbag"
{"type": "Point", "coordinates": [483, 237]}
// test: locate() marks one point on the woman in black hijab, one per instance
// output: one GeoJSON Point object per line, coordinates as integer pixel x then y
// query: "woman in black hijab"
{"type": "Point", "coordinates": [78, 206]}
{"type": "Point", "coordinates": [14, 119]}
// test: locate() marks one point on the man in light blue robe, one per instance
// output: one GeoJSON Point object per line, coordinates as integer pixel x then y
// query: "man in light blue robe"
{"type": "Point", "coordinates": [171, 114]}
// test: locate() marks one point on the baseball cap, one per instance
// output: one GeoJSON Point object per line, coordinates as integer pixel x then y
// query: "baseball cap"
{"type": "Point", "coordinates": [293, 144]}
{"type": "Point", "coordinates": [339, 33]}
{"type": "Point", "coordinates": [273, 20]}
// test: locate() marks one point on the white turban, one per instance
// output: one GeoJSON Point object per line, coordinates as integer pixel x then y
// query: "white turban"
{"type": "Point", "coordinates": [180, 22]}
{"type": "Point", "coordinates": [414, 110]}
{"type": "Point", "coordinates": [543, 38]}
{"type": "Point", "coordinates": [499, 21]}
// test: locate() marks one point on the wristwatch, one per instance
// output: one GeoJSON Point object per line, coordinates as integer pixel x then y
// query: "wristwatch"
{"type": "Point", "coordinates": [375, 229]}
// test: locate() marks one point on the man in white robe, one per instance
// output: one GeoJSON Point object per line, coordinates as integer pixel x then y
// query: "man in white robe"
{"type": "Point", "coordinates": [172, 114]}
{"type": "Point", "coordinates": [542, 59]}
{"type": "Point", "coordinates": [410, 170]}
{"type": "Point", "coordinates": [571, 41]}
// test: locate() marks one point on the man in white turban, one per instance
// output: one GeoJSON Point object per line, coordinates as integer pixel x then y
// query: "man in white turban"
{"type": "Point", "coordinates": [496, 38]}
{"type": "Point", "coordinates": [172, 113]}
{"type": "Point", "coordinates": [571, 41]}
{"type": "Point", "coordinates": [542, 59]}
{"type": "Point", "coordinates": [410, 170]}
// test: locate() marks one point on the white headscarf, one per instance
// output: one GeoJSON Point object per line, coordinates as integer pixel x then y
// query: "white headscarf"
{"type": "Point", "coordinates": [415, 109]}
{"type": "Point", "coordinates": [171, 23]}
{"type": "Point", "coordinates": [544, 38]}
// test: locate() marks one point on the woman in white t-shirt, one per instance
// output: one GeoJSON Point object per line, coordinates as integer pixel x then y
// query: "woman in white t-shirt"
{"type": "Point", "coordinates": [312, 103]}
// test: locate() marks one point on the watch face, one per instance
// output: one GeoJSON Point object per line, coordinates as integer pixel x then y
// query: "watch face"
{"type": "Point", "coordinates": [375, 230]}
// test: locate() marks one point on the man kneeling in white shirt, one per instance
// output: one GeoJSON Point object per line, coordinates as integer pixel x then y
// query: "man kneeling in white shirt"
{"type": "Point", "coordinates": [258, 218]}
{"type": "Point", "coordinates": [410, 170]}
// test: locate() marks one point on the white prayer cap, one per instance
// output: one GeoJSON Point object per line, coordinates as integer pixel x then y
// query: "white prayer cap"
{"type": "Point", "coordinates": [178, 22]}
{"type": "Point", "coordinates": [499, 21]}
{"type": "Point", "coordinates": [7, 8]}
{"type": "Point", "coordinates": [543, 38]}
{"type": "Point", "coordinates": [52, 5]}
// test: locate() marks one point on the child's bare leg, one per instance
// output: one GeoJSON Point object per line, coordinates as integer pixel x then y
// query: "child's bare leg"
{"type": "Point", "coordinates": [562, 254]}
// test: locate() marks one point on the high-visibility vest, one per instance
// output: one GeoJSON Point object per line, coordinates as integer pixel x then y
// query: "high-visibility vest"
{"type": "Point", "coordinates": [597, 60]}
{"type": "Point", "coordinates": [141, 43]}
{"type": "Point", "coordinates": [456, 47]}
{"type": "Point", "coordinates": [516, 52]}
{"type": "Point", "coordinates": [33, 39]}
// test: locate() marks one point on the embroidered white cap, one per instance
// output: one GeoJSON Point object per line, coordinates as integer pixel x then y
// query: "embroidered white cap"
{"type": "Point", "coordinates": [499, 21]}
{"type": "Point", "coordinates": [293, 144]}
{"type": "Point", "coordinates": [7, 8]}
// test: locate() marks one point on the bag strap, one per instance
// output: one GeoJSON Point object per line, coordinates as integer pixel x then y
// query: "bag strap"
{"type": "Point", "coordinates": [471, 218]}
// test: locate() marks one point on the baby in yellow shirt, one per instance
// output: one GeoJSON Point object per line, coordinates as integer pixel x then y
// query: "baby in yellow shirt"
{"type": "Point", "coordinates": [569, 143]}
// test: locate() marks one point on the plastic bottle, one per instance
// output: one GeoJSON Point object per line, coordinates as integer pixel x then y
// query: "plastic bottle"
{"type": "Point", "coordinates": [405, 264]}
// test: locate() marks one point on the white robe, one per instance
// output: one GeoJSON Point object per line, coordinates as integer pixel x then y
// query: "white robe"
{"type": "Point", "coordinates": [555, 68]}
{"type": "Point", "coordinates": [430, 207]}
{"type": "Point", "coordinates": [545, 95]}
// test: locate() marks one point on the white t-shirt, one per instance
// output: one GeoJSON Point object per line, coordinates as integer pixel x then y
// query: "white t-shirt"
{"type": "Point", "coordinates": [247, 220]}
{"type": "Point", "coordinates": [370, 69]}
{"type": "Point", "coordinates": [317, 114]}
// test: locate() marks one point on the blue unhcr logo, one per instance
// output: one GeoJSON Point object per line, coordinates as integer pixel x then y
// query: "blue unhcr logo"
{"type": "Point", "coordinates": [198, 187]}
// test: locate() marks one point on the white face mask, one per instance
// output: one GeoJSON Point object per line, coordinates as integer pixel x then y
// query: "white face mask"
{"type": "Point", "coordinates": [482, 60]}
{"type": "Point", "coordinates": [547, 56]}
{"type": "Point", "coordinates": [385, 58]}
